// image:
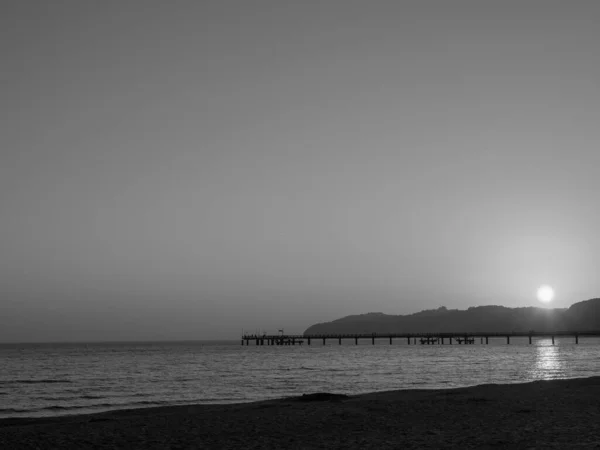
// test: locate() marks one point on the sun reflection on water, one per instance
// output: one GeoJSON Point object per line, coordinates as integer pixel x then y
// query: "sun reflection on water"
{"type": "Point", "coordinates": [548, 362]}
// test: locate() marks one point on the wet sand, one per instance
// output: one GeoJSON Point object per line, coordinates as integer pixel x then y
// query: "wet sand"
{"type": "Point", "coordinates": [562, 414]}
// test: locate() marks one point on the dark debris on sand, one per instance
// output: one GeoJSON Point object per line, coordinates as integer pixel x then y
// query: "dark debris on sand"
{"type": "Point", "coordinates": [321, 397]}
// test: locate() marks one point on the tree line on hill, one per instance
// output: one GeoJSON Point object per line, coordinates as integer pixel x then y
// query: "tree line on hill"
{"type": "Point", "coordinates": [581, 316]}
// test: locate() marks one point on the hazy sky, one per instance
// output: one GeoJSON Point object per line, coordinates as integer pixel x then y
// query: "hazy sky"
{"type": "Point", "coordinates": [189, 169]}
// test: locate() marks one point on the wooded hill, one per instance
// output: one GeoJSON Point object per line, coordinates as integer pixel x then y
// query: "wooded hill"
{"type": "Point", "coordinates": [582, 316]}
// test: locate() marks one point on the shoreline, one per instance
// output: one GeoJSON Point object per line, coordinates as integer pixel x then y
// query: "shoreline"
{"type": "Point", "coordinates": [547, 414]}
{"type": "Point", "coordinates": [199, 403]}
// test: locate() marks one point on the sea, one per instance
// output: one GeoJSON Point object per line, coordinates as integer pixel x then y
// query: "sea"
{"type": "Point", "coordinates": [78, 378]}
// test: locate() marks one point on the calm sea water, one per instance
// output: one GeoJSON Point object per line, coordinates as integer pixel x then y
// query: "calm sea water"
{"type": "Point", "coordinates": [55, 379]}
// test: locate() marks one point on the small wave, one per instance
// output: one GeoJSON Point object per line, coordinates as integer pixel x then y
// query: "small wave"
{"type": "Point", "coordinates": [55, 399]}
{"type": "Point", "coordinates": [110, 405]}
{"type": "Point", "coordinates": [71, 398]}
{"type": "Point", "coordinates": [115, 406]}
{"type": "Point", "coordinates": [57, 408]}
{"type": "Point", "coordinates": [137, 394]}
{"type": "Point", "coordinates": [46, 408]}
{"type": "Point", "coordinates": [15, 410]}
{"type": "Point", "coordinates": [63, 408]}
{"type": "Point", "coordinates": [47, 381]}
{"type": "Point", "coordinates": [160, 403]}
{"type": "Point", "coordinates": [150, 402]}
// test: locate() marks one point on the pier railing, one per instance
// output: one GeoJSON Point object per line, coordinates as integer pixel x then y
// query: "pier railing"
{"type": "Point", "coordinates": [413, 338]}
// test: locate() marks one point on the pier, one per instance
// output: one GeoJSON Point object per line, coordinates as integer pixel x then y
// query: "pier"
{"type": "Point", "coordinates": [414, 338]}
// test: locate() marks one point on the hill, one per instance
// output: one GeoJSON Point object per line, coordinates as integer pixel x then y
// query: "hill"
{"type": "Point", "coordinates": [580, 316]}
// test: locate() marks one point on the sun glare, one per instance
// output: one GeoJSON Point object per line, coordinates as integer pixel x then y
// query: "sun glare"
{"type": "Point", "coordinates": [545, 294]}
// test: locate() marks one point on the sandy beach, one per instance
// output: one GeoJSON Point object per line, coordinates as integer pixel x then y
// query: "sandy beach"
{"type": "Point", "coordinates": [561, 414]}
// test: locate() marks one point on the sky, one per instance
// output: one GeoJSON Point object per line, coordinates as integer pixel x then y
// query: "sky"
{"type": "Point", "coordinates": [193, 169]}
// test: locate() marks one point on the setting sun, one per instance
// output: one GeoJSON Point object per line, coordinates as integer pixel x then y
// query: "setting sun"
{"type": "Point", "coordinates": [545, 294]}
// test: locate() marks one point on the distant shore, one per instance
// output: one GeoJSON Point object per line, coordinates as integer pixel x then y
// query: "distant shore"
{"type": "Point", "coordinates": [542, 414]}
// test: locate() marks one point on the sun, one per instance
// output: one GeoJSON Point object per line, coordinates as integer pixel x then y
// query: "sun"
{"type": "Point", "coordinates": [545, 293]}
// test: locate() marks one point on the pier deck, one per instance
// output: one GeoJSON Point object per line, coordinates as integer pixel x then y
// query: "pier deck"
{"type": "Point", "coordinates": [413, 338]}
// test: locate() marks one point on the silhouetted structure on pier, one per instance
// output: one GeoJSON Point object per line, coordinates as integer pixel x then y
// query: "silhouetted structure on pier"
{"type": "Point", "coordinates": [411, 338]}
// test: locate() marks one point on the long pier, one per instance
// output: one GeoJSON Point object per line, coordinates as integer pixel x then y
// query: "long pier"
{"type": "Point", "coordinates": [413, 338]}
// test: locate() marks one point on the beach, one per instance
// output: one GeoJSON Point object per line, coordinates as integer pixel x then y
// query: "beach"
{"type": "Point", "coordinates": [561, 414]}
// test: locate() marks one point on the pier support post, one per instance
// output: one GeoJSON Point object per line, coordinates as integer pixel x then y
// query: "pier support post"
{"type": "Point", "coordinates": [308, 341]}
{"type": "Point", "coordinates": [577, 339]}
{"type": "Point", "coordinates": [450, 340]}
{"type": "Point", "coordinates": [507, 340]}
{"type": "Point", "coordinates": [324, 341]}
{"type": "Point", "coordinates": [552, 340]}
{"type": "Point", "coordinates": [486, 340]}
{"type": "Point", "coordinates": [340, 341]}
{"type": "Point", "coordinates": [442, 340]}
{"type": "Point", "coordinates": [373, 340]}
{"type": "Point", "coordinates": [390, 340]}
{"type": "Point", "coordinates": [408, 340]}
{"type": "Point", "coordinates": [355, 340]}
{"type": "Point", "coordinates": [529, 339]}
